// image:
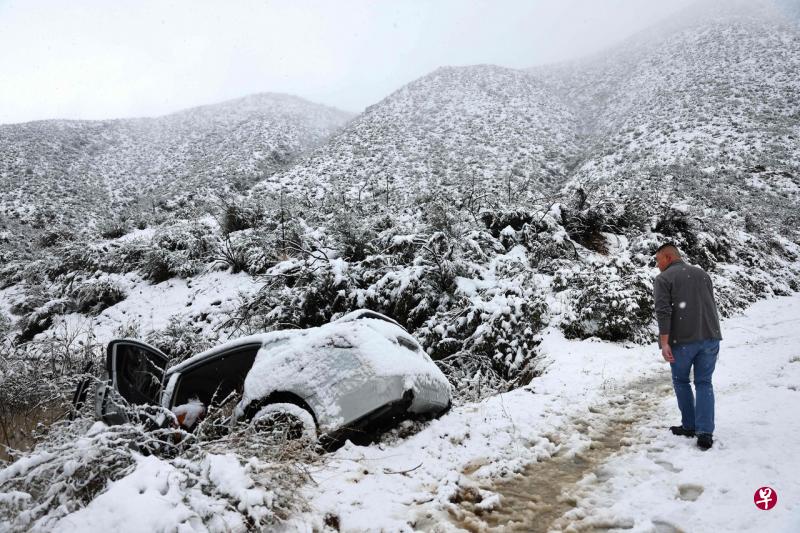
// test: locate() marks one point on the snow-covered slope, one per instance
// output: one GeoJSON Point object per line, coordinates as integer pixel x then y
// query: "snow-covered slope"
{"type": "Point", "coordinates": [713, 88]}
{"type": "Point", "coordinates": [481, 134]}
{"type": "Point", "coordinates": [597, 423]}
{"type": "Point", "coordinates": [58, 170]}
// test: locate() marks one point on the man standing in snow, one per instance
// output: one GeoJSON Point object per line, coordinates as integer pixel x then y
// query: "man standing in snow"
{"type": "Point", "coordinates": [689, 335]}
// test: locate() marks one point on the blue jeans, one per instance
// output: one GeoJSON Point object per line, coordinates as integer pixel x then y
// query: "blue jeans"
{"type": "Point", "coordinates": [703, 355]}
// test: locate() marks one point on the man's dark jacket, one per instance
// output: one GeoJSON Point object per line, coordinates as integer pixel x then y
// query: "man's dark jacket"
{"type": "Point", "coordinates": [685, 306]}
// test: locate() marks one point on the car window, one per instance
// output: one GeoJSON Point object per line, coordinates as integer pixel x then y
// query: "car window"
{"type": "Point", "coordinates": [213, 381]}
{"type": "Point", "coordinates": [138, 374]}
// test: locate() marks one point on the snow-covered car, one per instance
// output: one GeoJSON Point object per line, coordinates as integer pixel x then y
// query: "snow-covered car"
{"type": "Point", "coordinates": [337, 379]}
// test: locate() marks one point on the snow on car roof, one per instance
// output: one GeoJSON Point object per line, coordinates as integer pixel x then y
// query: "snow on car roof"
{"type": "Point", "coordinates": [366, 313]}
{"type": "Point", "coordinates": [259, 338]}
{"type": "Point", "coordinates": [363, 314]}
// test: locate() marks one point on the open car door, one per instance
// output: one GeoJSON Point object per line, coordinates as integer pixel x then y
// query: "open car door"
{"type": "Point", "coordinates": [136, 373]}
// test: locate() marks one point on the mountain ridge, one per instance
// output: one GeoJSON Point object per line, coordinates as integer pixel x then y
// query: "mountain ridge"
{"type": "Point", "coordinates": [61, 167]}
{"type": "Point", "coordinates": [454, 131]}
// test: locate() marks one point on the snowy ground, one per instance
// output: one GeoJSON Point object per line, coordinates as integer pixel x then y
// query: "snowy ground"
{"type": "Point", "coordinates": [584, 447]}
{"type": "Point", "coordinates": [204, 301]}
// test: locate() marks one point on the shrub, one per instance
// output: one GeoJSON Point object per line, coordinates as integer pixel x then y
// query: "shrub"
{"type": "Point", "coordinates": [610, 300]}
{"type": "Point", "coordinates": [38, 377]}
{"type": "Point", "coordinates": [353, 236]}
{"type": "Point", "coordinates": [441, 216]}
{"type": "Point", "coordinates": [547, 242]}
{"type": "Point", "coordinates": [73, 257]}
{"type": "Point", "coordinates": [113, 228]}
{"type": "Point", "coordinates": [497, 220]}
{"type": "Point", "coordinates": [299, 294]}
{"type": "Point", "coordinates": [5, 326]}
{"type": "Point", "coordinates": [55, 236]}
{"type": "Point", "coordinates": [413, 293]}
{"type": "Point", "coordinates": [180, 339]}
{"type": "Point", "coordinates": [585, 224]}
{"type": "Point", "coordinates": [11, 272]}
{"type": "Point", "coordinates": [233, 253]}
{"type": "Point", "coordinates": [125, 257]}
{"type": "Point", "coordinates": [489, 337]}
{"type": "Point", "coordinates": [94, 296]}
{"type": "Point", "coordinates": [178, 250]}
{"type": "Point", "coordinates": [158, 265]}
{"type": "Point", "coordinates": [41, 318]}
{"type": "Point", "coordinates": [705, 248]}
{"type": "Point", "coordinates": [238, 214]}
{"type": "Point", "coordinates": [241, 485]}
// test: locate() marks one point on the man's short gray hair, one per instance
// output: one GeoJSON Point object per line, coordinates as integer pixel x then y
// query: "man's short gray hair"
{"type": "Point", "coordinates": [668, 248]}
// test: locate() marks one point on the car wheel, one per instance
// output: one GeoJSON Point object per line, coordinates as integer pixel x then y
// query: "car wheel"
{"type": "Point", "coordinates": [291, 420]}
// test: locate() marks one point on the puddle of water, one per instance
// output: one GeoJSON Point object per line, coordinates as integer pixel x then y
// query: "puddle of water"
{"type": "Point", "coordinates": [536, 499]}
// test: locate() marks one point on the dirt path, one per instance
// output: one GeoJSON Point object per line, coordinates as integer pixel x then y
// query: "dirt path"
{"type": "Point", "coordinates": [537, 499]}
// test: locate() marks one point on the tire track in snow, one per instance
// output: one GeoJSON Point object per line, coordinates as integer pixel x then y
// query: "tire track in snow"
{"type": "Point", "coordinates": [537, 499]}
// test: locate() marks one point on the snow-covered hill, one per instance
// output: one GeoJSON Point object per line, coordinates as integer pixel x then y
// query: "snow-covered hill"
{"type": "Point", "coordinates": [59, 171]}
{"type": "Point", "coordinates": [715, 89]}
{"type": "Point", "coordinates": [479, 135]}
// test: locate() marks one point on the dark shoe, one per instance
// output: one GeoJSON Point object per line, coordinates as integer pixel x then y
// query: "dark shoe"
{"type": "Point", "coordinates": [704, 441]}
{"type": "Point", "coordinates": [680, 430]}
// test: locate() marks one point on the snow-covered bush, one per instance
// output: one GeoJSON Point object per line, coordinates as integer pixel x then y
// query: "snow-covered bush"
{"type": "Point", "coordinates": [487, 342]}
{"type": "Point", "coordinates": [180, 249]}
{"type": "Point", "coordinates": [95, 295]}
{"type": "Point", "coordinates": [127, 256]}
{"type": "Point", "coordinates": [113, 228]}
{"type": "Point", "coordinates": [233, 253]}
{"type": "Point", "coordinates": [299, 293]}
{"type": "Point", "coordinates": [55, 236]}
{"type": "Point", "coordinates": [704, 247]}
{"type": "Point", "coordinates": [413, 293]}
{"type": "Point", "coordinates": [547, 242]}
{"type": "Point", "coordinates": [37, 379]}
{"type": "Point", "coordinates": [29, 393]}
{"type": "Point", "coordinates": [354, 236]}
{"type": "Point", "coordinates": [180, 340]}
{"type": "Point", "coordinates": [41, 318]}
{"type": "Point", "coordinates": [5, 326]}
{"type": "Point", "coordinates": [586, 222]}
{"type": "Point", "coordinates": [73, 257]}
{"type": "Point", "coordinates": [241, 480]}
{"type": "Point", "coordinates": [440, 215]}
{"type": "Point", "coordinates": [239, 213]}
{"type": "Point", "coordinates": [10, 271]}
{"type": "Point", "coordinates": [611, 300]}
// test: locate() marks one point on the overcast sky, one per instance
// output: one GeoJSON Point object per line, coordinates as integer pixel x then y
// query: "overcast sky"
{"type": "Point", "coordinates": [113, 58]}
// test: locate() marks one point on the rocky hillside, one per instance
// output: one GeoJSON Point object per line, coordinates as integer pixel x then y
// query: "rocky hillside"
{"type": "Point", "coordinates": [479, 135]}
{"type": "Point", "coordinates": [71, 172]}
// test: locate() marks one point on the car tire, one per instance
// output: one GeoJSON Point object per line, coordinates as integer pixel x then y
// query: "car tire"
{"type": "Point", "coordinates": [290, 419]}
